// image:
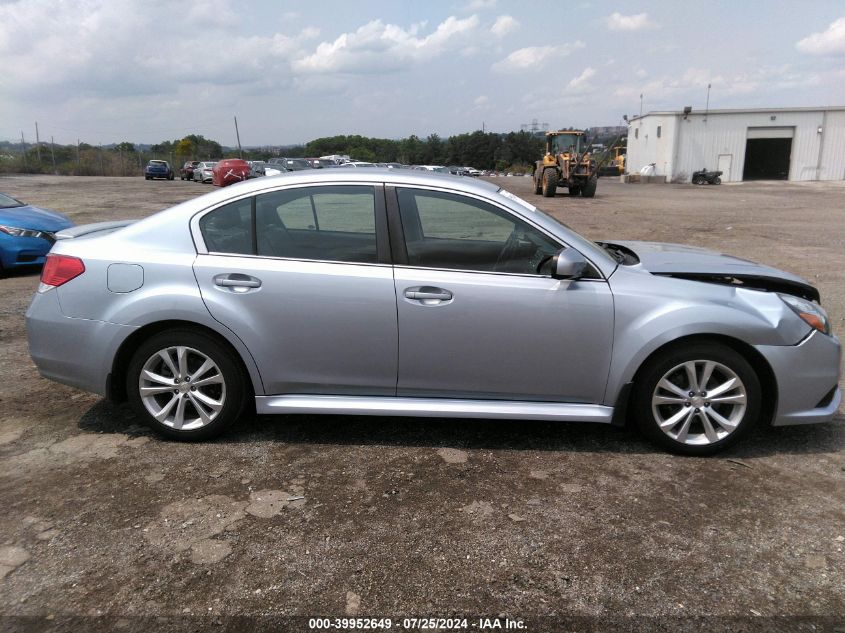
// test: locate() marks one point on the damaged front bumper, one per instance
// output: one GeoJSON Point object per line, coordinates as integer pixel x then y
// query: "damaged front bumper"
{"type": "Point", "coordinates": [807, 377]}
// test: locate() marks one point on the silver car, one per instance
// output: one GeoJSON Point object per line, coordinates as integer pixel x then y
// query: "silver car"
{"type": "Point", "coordinates": [376, 292]}
{"type": "Point", "coordinates": [204, 172]}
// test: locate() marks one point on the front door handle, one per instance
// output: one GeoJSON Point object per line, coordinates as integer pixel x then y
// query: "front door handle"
{"type": "Point", "coordinates": [237, 282]}
{"type": "Point", "coordinates": [428, 294]}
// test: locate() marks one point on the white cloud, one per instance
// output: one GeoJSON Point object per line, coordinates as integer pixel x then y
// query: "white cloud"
{"type": "Point", "coordinates": [97, 53]}
{"type": "Point", "coordinates": [618, 22]}
{"type": "Point", "coordinates": [377, 46]}
{"type": "Point", "coordinates": [534, 57]}
{"type": "Point", "coordinates": [580, 82]}
{"type": "Point", "coordinates": [503, 25]}
{"type": "Point", "coordinates": [829, 42]}
{"type": "Point", "coordinates": [480, 5]}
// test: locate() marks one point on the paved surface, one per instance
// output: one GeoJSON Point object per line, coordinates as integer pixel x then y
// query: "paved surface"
{"type": "Point", "coordinates": [400, 517]}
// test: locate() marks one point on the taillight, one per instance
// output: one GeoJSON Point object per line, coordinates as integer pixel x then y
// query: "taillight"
{"type": "Point", "coordinates": [60, 269]}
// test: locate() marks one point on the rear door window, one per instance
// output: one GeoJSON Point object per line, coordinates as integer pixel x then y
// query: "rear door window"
{"type": "Point", "coordinates": [329, 223]}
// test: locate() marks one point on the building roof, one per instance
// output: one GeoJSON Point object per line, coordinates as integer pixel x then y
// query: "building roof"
{"type": "Point", "coordinates": [736, 111]}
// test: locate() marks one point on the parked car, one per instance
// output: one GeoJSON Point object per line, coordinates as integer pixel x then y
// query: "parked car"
{"type": "Point", "coordinates": [256, 168]}
{"type": "Point", "coordinates": [187, 170]}
{"type": "Point", "coordinates": [321, 163]}
{"type": "Point", "coordinates": [158, 169]}
{"type": "Point", "coordinates": [290, 164]}
{"type": "Point", "coordinates": [229, 171]}
{"type": "Point", "coordinates": [26, 233]}
{"type": "Point", "coordinates": [357, 163]}
{"type": "Point", "coordinates": [204, 171]}
{"type": "Point", "coordinates": [404, 293]}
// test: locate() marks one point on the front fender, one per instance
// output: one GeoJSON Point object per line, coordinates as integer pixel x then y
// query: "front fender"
{"type": "Point", "coordinates": [652, 311]}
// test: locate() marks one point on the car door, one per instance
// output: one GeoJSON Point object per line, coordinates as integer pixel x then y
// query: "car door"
{"type": "Point", "coordinates": [476, 318]}
{"type": "Point", "coordinates": [302, 276]}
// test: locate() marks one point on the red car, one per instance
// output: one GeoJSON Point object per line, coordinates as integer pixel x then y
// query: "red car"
{"type": "Point", "coordinates": [229, 171]}
{"type": "Point", "coordinates": [187, 170]}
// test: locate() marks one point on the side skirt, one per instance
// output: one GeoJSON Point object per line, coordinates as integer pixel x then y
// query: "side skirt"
{"type": "Point", "coordinates": [434, 408]}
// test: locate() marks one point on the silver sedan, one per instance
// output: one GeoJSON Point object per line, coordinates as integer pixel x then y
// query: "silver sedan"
{"type": "Point", "coordinates": [204, 171]}
{"type": "Point", "coordinates": [377, 292]}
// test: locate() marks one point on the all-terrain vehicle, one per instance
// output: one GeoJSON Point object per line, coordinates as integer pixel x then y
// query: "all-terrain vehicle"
{"type": "Point", "coordinates": [704, 177]}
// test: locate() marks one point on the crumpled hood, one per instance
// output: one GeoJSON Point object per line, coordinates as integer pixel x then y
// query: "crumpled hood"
{"type": "Point", "coordinates": [28, 217]}
{"type": "Point", "coordinates": [701, 264]}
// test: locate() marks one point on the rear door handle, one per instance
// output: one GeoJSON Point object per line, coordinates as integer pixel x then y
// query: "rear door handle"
{"type": "Point", "coordinates": [237, 282]}
{"type": "Point", "coordinates": [428, 293]}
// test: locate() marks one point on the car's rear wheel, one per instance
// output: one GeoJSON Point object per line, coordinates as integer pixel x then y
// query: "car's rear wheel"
{"type": "Point", "coordinates": [186, 385]}
{"type": "Point", "coordinates": [697, 399]}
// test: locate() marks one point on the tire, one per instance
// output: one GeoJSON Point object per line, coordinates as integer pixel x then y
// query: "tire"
{"type": "Point", "coordinates": [206, 409]}
{"type": "Point", "coordinates": [729, 411]}
{"type": "Point", "coordinates": [575, 191]}
{"type": "Point", "coordinates": [148, 178]}
{"type": "Point", "coordinates": [538, 184]}
{"type": "Point", "coordinates": [717, 181]}
{"type": "Point", "coordinates": [549, 183]}
{"type": "Point", "coordinates": [698, 180]}
{"type": "Point", "coordinates": [589, 188]}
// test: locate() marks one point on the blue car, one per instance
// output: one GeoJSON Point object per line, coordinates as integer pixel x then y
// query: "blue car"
{"type": "Point", "coordinates": [26, 233]}
{"type": "Point", "coordinates": [158, 169]}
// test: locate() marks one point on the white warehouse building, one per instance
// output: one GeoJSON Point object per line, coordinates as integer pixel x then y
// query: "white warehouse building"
{"type": "Point", "coordinates": [764, 144]}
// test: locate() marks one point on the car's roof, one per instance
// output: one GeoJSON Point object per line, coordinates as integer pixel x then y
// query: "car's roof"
{"type": "Point", "coordinates": [364, 175]}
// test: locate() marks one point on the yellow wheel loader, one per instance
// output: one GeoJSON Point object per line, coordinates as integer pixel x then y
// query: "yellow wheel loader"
{"type": "Point", "coordinates": [567, 163]}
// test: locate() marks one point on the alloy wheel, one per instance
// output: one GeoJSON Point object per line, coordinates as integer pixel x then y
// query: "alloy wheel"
{"type": "Point", "coordinates": [182, 388]}
{"type": "Point", "coordinates": [699, 402]}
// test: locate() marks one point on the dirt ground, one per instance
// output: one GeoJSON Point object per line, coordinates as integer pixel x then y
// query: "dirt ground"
{"type": "Point", "coordinates": [558, 526]}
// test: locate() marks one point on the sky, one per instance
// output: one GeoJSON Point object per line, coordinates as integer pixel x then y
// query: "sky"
{"type": "Point", "coordinates": [107, 71]}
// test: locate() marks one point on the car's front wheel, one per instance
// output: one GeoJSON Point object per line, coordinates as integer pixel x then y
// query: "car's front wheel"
{"type": "Point", "coordinates": [186, 385]}
{"type": "Point", "coordinates": [697, 399]}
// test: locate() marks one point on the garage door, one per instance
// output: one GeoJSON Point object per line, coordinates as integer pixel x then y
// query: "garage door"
{"type": "Point", "coordinates": [767, 153]}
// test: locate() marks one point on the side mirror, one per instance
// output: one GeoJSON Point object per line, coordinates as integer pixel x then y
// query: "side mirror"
{"type": "Point", "coordinates": [568, 264]}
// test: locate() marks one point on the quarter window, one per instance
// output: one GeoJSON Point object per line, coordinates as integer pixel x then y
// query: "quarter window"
{"type": "Point", "coordinates": [228, 229]}
{"type": "Point", "coordinates": [445, 230]}
{"type": "Point", "coordinates": [333, 223]}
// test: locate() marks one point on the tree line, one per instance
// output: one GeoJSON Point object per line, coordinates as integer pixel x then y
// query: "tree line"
{"type": "Point", "coordinates": [483, 150]}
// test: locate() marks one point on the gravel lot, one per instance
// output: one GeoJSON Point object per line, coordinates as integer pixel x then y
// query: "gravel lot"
{"type": "Point", "coordinates": [393, 517]}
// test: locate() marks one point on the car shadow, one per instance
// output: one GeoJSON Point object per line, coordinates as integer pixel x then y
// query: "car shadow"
{"type": "Point", "coordinates": [29, 270]}
{"type": "Point", "coordinates": [469, 434]}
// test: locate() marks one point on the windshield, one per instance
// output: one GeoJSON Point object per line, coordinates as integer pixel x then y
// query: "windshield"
{"type": "Point", "coordinates": [576, 239]}
{"type": "Point", "coordinates": [566, 143]}
{"type": "Point", "coordinates": [7, 202]}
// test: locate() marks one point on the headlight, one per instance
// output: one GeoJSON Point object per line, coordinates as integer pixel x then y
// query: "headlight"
{"type": "Point", "coordinates": [12, 230]}
{"type": "Point", "coordinates": [812, 313]}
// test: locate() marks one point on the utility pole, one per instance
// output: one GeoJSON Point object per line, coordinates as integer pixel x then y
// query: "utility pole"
{"type": "Point", "coordinates": [238, 135]}
{"type": "Point", "coordinates": [641, 104]}
{"type": "Point", "coordinates": [37, 143]}
{"type": "Point", "coordinates": [53, 154]}
{"type": "Point", "coordinates": [23, 146]}
{"type": "Point", "coordinates": [483, 129]}
{"type": "Point", "coordinates": [77, 152]}
{"type": "Point", "coordinates": [707, 107]}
